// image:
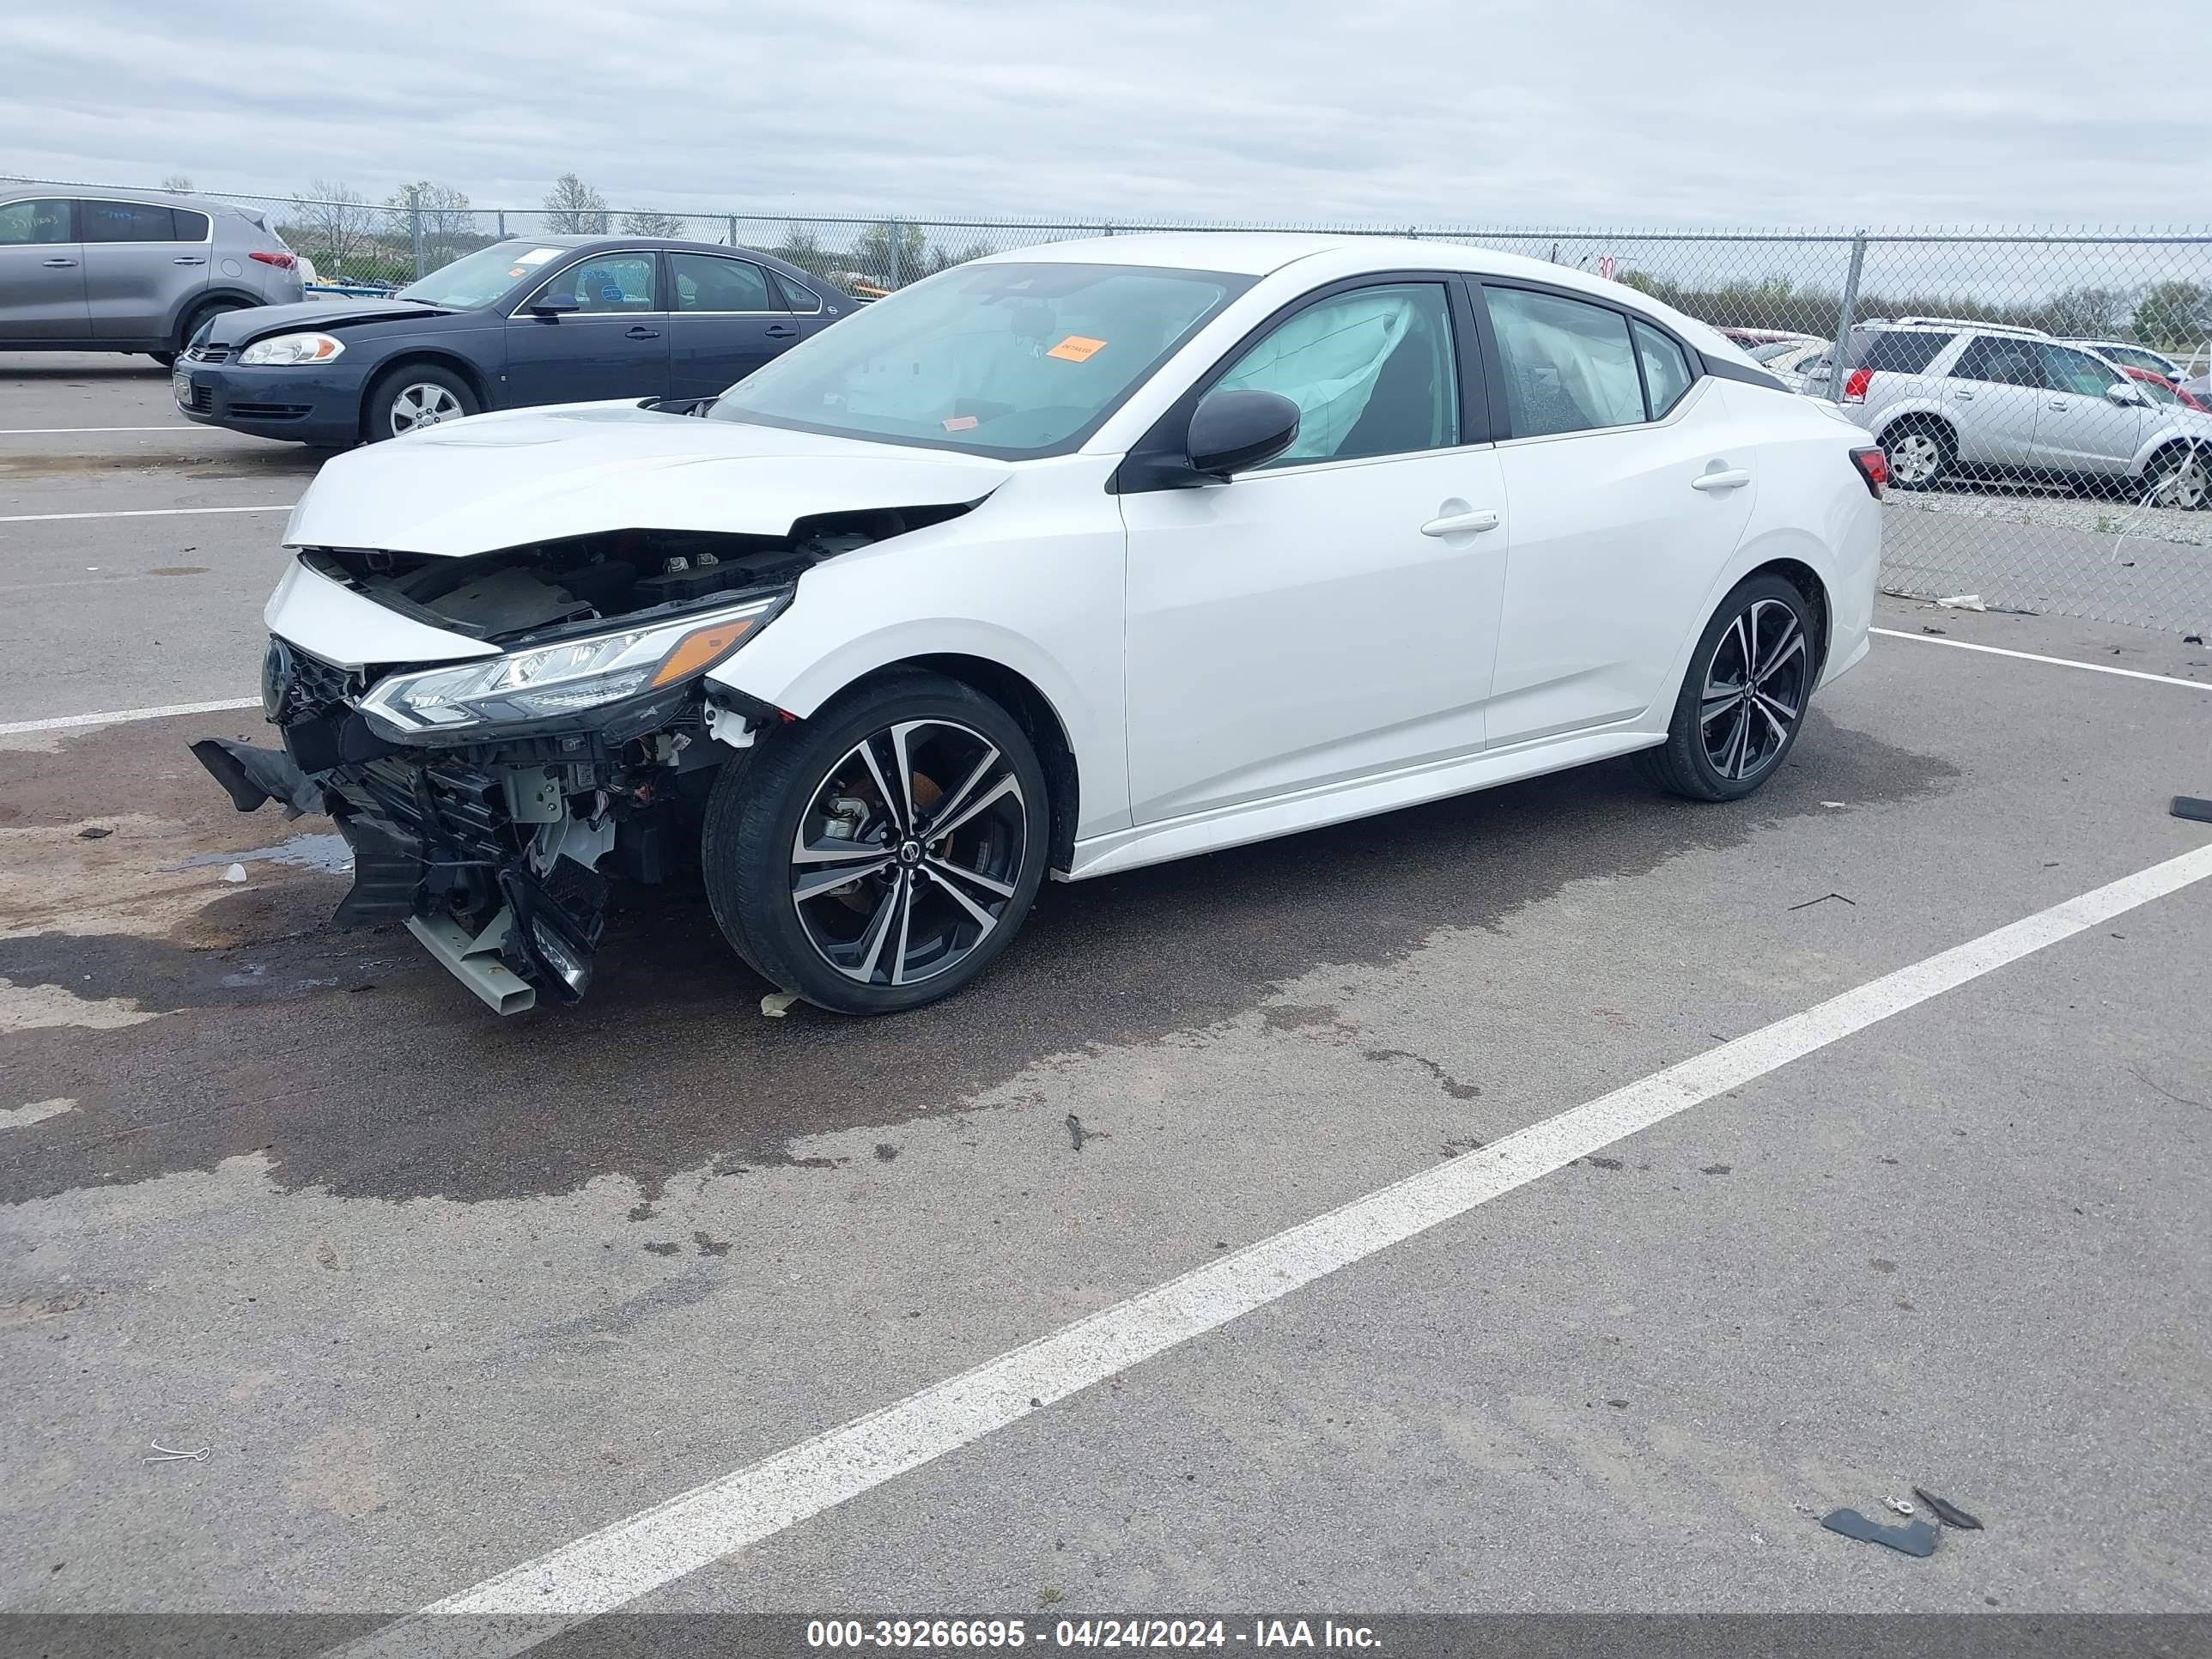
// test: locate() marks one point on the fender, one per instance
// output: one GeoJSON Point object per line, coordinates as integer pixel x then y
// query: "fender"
{"type": "Point", "coordinates": [1101, 775]}
{"type": "Point", "coordinates": [1892, 413]}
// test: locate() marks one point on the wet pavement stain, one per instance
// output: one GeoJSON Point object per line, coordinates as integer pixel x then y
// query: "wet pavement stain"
{"type": "Point", "coordinates": [668, 1067]}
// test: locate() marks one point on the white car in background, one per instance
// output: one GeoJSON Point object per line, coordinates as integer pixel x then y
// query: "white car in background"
{"type": "Point", "coordinates": [1061, 562]}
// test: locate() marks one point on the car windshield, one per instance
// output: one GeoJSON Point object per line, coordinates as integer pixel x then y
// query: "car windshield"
{"type": "Point", "coordinates": [1773, 348]}
{"type": "Point", "coordinates": [476, 279]}
{"type": "Point", "coordinates": [1008, 359]}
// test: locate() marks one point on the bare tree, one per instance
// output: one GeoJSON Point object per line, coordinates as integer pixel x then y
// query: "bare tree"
{"type": "Point", "coordinates": [331, 224]}
{"type": "Point", "coordinates": [651, 224]}
{"type": "Point", "coordinates": [449, 224]}
{"type": "Point", "coordinates": [572, 208]}
{"type": "Point", "coordinates": [179, 184]}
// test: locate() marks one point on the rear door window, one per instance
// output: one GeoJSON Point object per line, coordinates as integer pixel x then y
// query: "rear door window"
{"type": "Point", "coordinates": [2001, 362]}
{"type": "Point", "coordinates": [190, 226]}
{"type": "Point", "coordinates": [707, 282]}
{"type": "Point", "coordinates": [125, 222]}
{"type": "Point", "coordinates": [1569, 366]}
{"type": "Point", "coordinates": [35, 222]}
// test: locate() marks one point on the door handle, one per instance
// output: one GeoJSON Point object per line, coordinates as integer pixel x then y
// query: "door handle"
{"type": "Point", "coordinates": [57, 265]}
{"type": "Point", "coordinates": [781, 330]}
{"type": "Point", "coordinates": [1734, 477]}
{"type": "Point", "coordinates": [641, 332]}
{"type": "Point", "coordinates": [2058, 402]}
{"type": "Point", "coordinates": [1962, 396]}
{"type": "Point", "coordinates": [1461, 524]}
{"type": "Point", "coordinates": [188, 259]}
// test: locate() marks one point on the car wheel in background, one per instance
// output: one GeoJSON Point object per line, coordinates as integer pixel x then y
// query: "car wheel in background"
{"type": "Point", "coordinates": [879, 855]}
{"type": "Point", "coordinates": [1743, 701]}
{"type": "Point", "coordinates": [2180, 478]}
{"type": "Point", "coordinates": [413, 396]}
{"type": "Point", "coordinates": [1920, 453]}
{"type": "Point", "coordinates": [195, 319]}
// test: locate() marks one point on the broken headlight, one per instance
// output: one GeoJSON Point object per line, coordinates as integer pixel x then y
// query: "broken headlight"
{"type": "Point", "coordinates": [549, 681]}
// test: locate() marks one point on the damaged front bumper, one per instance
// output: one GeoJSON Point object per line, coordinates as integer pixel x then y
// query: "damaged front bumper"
{"type": "Point", "coordinates": [499, 856]}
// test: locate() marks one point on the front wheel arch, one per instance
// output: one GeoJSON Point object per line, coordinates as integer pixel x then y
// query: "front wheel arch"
{"type": "Point", "coordinates": [467, 372]}
{"type": "Point", "coordinates": [2174, 452]}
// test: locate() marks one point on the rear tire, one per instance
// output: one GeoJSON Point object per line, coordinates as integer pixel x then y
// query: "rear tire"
{"type": "Point", "coordinates": [1731, 729]}
{"type": "Point", "coordinates": [1921, 453]}
{"type": "Point", "coordinates": [414, 396]}
{"type": "Point", "coordinates": [940, 852]}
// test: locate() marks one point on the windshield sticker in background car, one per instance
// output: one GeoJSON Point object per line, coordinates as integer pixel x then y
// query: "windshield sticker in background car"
{"type": "Point", "coordinates": [960, 423]}
{"type": "Point", "coordinates": [537, 256]}
{"type": "Point", "coordinates": [1076, 349]}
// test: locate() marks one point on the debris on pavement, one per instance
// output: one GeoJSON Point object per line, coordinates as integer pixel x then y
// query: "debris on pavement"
{"type": "Point", "coordinates": [235, 873]}
{"type": "Point", "coordinates": [1897, 1503]}
{"type": "Point", "coordinates": [1946, 1511]}
{"type": "Point", "coordinates": [1833, 805]}
{"type": "Point", "coordinates": [776, 1004]}
{"type": "Point", "coordinates": [1930, 628]}
{"type": "Point", "coordinates": [1913, 1538]}
{"type": "Point", "coordinates": [1075, 1131]}
{"type": "Point", "coordinates": [1823, 899]}
{"type": "Point", "coordinates": [2195, 807]}
{"type": "Point", "coordinates": [2192, 639]}
{"type": "Point", "coordinates": [1963, 602]}
{"type": "Point", "coordinates": [95, 832]}
{"type": "Point", "coordinates": [162, 1454]}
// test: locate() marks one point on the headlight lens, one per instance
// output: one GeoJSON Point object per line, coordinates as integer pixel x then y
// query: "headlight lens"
{"type": "Point", "coordinates": [553, 680]}
{"type": "Point", "coordinates": [291, 348]}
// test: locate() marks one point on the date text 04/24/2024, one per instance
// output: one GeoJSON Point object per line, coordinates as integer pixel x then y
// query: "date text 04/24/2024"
{"type": "Point", "coordinates": [926, 1635]}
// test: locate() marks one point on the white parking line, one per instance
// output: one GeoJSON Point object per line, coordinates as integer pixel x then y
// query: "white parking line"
{"type": "Point", "coordinates": [55, 431]}
{"type": "Point", "coordinates": [122, 716]}
{"type": "Point", "coordinates": [603, 1571]}
{"type": "Point", "coordinates": [140, 513]}
{"type": "Point", "coordinates": [2056, 662]}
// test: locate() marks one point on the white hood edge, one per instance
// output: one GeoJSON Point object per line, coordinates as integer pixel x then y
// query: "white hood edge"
{"type": "Point", "coordinates": [507, 480]}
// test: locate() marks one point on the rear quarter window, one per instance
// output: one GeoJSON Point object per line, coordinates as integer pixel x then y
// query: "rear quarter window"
{"type": "Point", "coordinates": [1902, 351]}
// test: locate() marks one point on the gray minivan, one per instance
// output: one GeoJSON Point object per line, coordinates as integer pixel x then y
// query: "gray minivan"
{"type": "Point", "coordinates": [86, 270]}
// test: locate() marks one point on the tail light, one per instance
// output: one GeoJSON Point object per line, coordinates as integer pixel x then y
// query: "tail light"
{"type": "Point", "coordinates": [1873, 463]}
{"type": "Point", "coordinates": [281, 261]}
{"type": "Point", "coordinates": [1855, 386]}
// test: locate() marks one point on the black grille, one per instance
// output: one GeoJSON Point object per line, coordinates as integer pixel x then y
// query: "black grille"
{"type": "Point", "coordinates": [208, 354]}
{"type": "Point", "coordinates": [457, 809]}
{"type": "Point", "coordinates": [265, 411]}
{"type": "Point", "coordinates": [203, 399]}
{"type": "Point", "coordinates": [318, 686]}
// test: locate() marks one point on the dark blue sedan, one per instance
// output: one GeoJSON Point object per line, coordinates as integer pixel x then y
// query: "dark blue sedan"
{"type": "Point", "coordinates": [545, 320]}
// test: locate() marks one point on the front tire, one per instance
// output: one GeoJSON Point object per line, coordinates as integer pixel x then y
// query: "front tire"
{"type": "Point", "coordinates": [880, 856]}
{"type": "Point", "coordinates": [413, 396]}
{"type": "Point", "coordinates": [1743, 701]}
{"type": "Point", "coordinates": [2181, 479]}
{"type": "Point", "coordinates": [189, 330]}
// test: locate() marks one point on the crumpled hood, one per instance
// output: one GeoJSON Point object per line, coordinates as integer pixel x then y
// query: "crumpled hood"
{"type": "Point", "coordinates": [232, 327]}
{"type": "Point", "coordinates": [499, 481]}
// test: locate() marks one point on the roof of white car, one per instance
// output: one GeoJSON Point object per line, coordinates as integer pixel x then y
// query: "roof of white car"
{"type": "Point", "coordinates": [1261, 252]}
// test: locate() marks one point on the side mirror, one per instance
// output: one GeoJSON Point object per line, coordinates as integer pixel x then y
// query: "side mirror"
{"type": "Point", "coordinates": [553, 304]}
{"type": "Point", "coordinates": [1234, 431]}
{"type": "Point", "coordinates": [2125, 395]}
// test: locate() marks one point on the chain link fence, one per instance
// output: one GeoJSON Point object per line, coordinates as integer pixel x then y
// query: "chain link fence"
{"type": "Point", "coordinates": [2043, 395]}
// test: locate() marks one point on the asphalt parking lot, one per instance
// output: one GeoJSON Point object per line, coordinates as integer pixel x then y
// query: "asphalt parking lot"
{"type": "Point", "coordinates": [442, 1295]}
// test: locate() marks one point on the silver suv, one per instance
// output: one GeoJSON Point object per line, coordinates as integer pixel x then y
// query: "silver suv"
{"type": "Point", "coordinates": [84, 270]}
{"type": "Point", "coordinates": [1953, 398]}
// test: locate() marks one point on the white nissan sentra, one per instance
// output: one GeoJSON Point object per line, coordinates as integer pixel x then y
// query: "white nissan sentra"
{"type": "Point", "coordinates": [1063, 561]}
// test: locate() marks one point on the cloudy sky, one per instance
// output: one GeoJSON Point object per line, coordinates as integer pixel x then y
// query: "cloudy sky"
{"type": "Point", "coordinates": [1483, 112]}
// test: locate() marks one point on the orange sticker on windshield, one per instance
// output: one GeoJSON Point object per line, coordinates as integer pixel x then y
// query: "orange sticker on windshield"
{"type": "Point", "coordinates": [1076, 349]}
{"type": "Point", "coordinates": [959, 422]}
